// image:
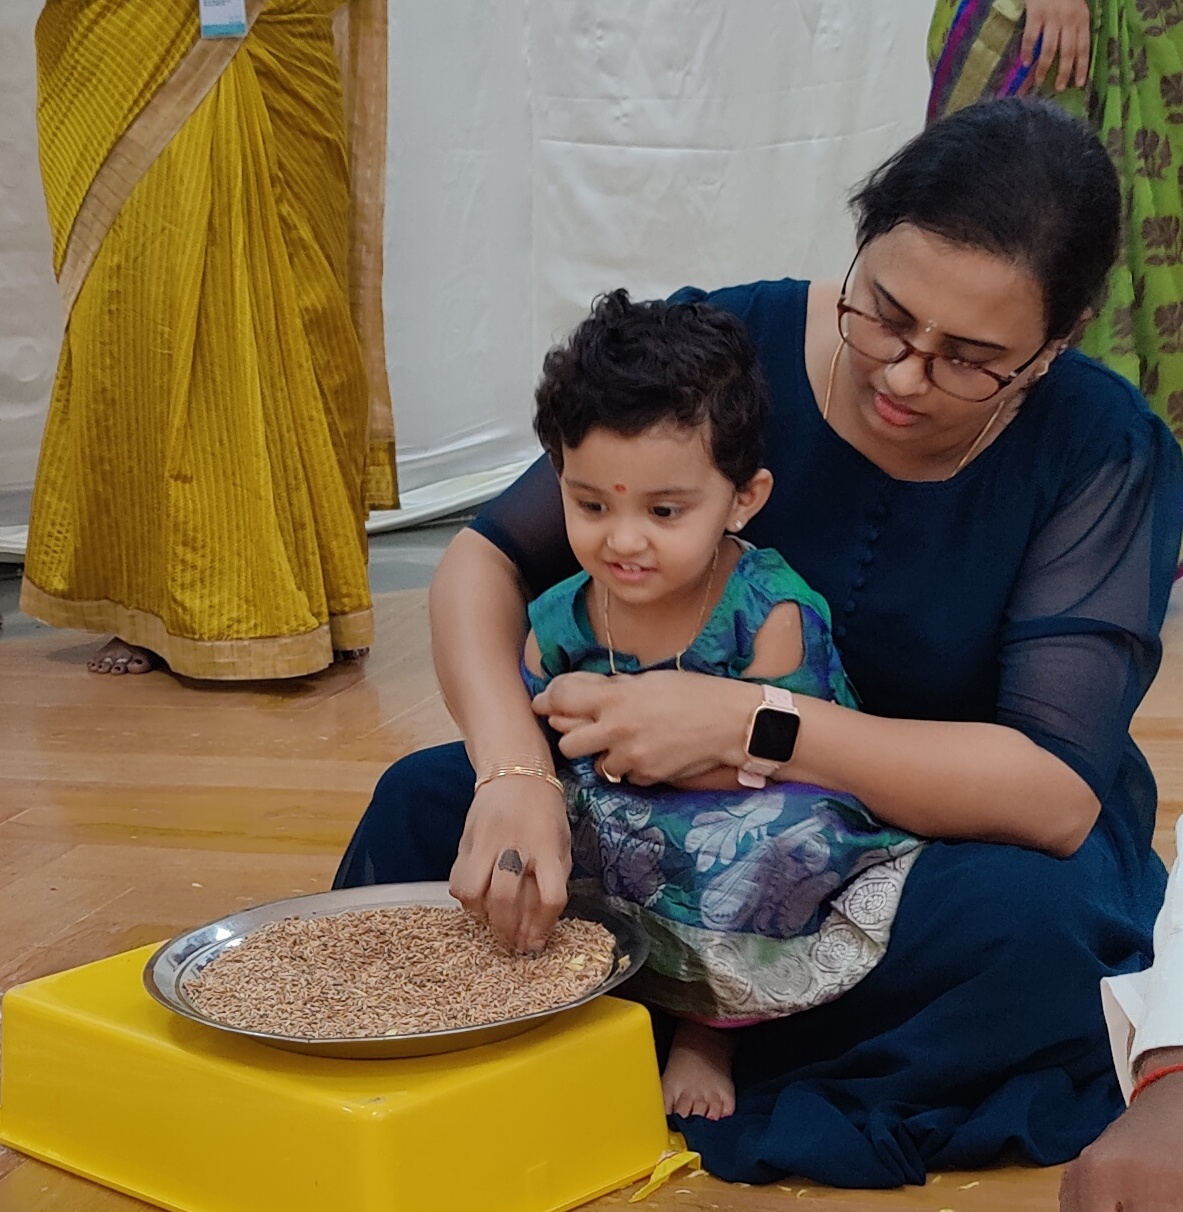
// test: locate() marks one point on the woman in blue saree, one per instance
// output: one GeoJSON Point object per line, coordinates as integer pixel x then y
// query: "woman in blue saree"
{"type": "Point", "coordinates": [993, 519]}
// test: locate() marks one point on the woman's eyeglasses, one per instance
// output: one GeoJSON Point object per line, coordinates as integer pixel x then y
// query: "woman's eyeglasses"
{"type": "Point", "coordinates": [876, 339]}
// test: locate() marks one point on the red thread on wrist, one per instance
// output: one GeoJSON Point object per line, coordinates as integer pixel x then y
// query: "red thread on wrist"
{"type": "Point", "coordinates": [1152, 1077]}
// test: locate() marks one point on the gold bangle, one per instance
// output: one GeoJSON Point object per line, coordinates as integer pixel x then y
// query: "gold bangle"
{"type": "Point", "coordinates": [503, 770]}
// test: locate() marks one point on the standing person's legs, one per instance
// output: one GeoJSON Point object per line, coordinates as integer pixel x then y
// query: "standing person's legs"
{"type": "Point", "coordinates": [412, 828]}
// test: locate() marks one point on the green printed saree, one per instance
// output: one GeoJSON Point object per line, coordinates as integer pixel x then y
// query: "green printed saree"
{"type": "Point", "coordinates": [1134, 100]}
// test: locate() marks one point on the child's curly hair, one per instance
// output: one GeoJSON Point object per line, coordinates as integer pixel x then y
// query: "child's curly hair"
{"type": "Point", "coordinates": [632, 366]}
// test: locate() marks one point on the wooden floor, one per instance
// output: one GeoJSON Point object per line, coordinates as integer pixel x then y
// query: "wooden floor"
{"type": "Point", "coordinates": [133, 808]}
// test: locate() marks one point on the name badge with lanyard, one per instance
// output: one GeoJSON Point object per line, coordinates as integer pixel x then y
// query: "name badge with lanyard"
{"type": "Point", "coordinates": [222, 18]}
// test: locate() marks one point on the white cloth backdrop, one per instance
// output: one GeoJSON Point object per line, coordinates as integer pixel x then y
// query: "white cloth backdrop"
{"type": "Point", "coordinates": [540, 151]}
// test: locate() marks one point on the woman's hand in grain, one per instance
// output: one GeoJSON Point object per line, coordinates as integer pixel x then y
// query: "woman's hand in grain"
{"type": "Point", "coordinates": [514, 860]}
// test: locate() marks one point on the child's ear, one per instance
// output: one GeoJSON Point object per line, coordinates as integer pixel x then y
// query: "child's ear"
{"type": "Point", "coordinates": [751, 498]}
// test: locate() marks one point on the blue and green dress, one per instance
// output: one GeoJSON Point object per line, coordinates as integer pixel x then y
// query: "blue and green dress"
{"type": "Point", "coordinates": [757, 904]}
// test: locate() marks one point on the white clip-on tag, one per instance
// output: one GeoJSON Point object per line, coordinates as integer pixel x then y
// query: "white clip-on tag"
{"type": "Point", "coordinates": [222, 18]}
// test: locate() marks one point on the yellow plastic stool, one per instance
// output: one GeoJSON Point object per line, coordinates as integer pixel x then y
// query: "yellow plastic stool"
{"type": "Point", "coordinates": [100, 1080]}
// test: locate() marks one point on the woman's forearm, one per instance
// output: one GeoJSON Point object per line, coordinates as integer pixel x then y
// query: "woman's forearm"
{"type": "Point", "coordinates": [941, 780]}
{"type": "Point", "coordinates": [478, 623]}
{"type": "Point", "coordinates": [514, 856]}
{"type": "Point", "coordinates": [951, 780]}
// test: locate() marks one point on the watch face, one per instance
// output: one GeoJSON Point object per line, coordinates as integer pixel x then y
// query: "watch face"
{"type": "Point", "coordinates": [774, 734]}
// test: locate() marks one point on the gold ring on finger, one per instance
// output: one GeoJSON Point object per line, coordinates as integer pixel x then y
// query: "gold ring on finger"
{"type": "Point", "coordinates": [612, 778]}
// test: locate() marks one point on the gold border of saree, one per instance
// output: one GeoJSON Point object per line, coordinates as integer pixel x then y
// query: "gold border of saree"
{"type": "Point", "coordinates": [136, 151]}
{"type": "Point", "coordinates": [360, 30]}
{"type": "Point", "coordinates": [222, 660]}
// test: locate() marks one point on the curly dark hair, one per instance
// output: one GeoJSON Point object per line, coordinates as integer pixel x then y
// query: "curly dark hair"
{"type": "Point", "coordinates": [632, 366]}
{"type": "Point", "coordinates": [1017, 177]}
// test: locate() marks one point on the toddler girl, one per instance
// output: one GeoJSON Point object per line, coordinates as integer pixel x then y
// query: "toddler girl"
{"type": "Point", "coordinates": [759, 900]}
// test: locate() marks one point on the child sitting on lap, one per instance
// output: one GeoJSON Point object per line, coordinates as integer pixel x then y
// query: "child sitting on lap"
{"type": "Point", "coordinates": [759, 900]}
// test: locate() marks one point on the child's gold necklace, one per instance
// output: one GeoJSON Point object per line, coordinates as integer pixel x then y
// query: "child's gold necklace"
{"type": "Point", "coordinates": [702, 610]}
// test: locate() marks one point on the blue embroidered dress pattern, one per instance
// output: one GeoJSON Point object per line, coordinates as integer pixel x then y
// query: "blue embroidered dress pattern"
{"type": "Point", "coordinates": [757, 903]}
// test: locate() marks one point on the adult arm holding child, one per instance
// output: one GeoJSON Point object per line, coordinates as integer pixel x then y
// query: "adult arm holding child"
{"type": "Point", "coordinates": [934, 778]}
{"type": "Point", "coordinates": [778, 651]}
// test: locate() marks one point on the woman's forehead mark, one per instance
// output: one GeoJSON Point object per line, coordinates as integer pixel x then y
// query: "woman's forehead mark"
{"type": "Point", "coordinates": [620, 487]}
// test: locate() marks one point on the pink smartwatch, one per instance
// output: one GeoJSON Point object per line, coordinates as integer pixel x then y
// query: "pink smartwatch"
{"type": "Point", "coordinates": [772, 737]}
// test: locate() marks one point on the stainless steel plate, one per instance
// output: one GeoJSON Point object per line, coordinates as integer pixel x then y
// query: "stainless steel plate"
{"type": "Point", "coordinates": [182, 959]}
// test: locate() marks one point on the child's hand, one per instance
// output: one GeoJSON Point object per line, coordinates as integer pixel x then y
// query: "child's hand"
{"type": "Point", "coordinates": [514, 860]}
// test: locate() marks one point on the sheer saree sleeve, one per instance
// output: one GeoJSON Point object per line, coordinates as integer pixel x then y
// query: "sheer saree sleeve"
{"type": "Point", "coordinates": [526, 523]}
{"type": "Point", "coordinates": [1080, 645]}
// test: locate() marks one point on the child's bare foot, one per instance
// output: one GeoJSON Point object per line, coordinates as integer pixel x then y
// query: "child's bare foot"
{"type": "Point", "coordinates": [117, 657]}
{"type": "Point", "coordinates": [697, 1077]}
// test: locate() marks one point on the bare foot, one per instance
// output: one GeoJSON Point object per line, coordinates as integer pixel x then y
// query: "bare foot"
{"type": "Point", "coordinates": [350, 654]}
{"type": "Point", "coordinates": [697, 1077]}
{"type": "Point", "coordinates": [117, 657]}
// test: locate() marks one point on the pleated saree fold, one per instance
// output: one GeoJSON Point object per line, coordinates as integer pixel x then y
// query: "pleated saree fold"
{"type": "Point", "coordinates": [220, 420]}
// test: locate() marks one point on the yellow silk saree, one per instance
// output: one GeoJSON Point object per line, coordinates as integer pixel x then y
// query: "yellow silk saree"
{"type": "Point", "coordinates": [220, 421]}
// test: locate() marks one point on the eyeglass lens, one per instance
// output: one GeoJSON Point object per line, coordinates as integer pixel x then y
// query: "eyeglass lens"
{"type": "Point", "coordinates": [874, 339]}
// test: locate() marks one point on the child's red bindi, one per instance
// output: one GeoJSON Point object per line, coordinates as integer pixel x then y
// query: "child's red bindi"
{"type": "Point", "coordinates": [620, 487]}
